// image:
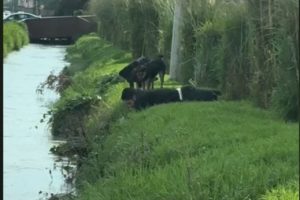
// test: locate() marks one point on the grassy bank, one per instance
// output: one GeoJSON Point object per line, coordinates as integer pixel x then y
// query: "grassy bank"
{"type": "Point", "coordinates": [223, 150]}
{"type": "Point", "coordinates": [15, 36]}
{"type": "Point", "coordinates": [216, 150]}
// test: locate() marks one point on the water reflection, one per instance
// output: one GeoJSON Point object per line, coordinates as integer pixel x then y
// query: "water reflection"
{"type": "Point", "coordinates": [30, 170]}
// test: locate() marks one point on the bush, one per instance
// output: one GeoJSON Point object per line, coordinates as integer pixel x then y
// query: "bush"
{"type": "Point", "coordinates": [207, 71]}
{"type": "Point", "coordinates": [90, 50]}
{"type": "Point", "coordinates": [15, 36]}
{"type": "Point", "coordinates": [285, 96]}
{"type": "Point", "coordinates": [93, 70]}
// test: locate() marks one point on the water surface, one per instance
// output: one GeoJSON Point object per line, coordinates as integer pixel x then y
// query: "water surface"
{"type": "Point", "coordinates": [27, 160]}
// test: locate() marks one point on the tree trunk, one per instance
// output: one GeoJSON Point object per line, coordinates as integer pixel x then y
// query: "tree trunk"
{"type": "Point", "coordinates": [175, 46]}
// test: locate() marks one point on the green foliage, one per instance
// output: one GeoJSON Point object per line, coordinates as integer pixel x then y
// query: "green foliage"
{"type": "Point", "coordinates": [195, 14]}
{"type": "Point", "coordinates": [91, 102]}
{"type": "Point", "coordinates": [93, 67]}
{"type": "Point", "coordinates": [207, 69]}
{"type": "Point", "coordinates": [248, 49]}
{"type": "Point", "coordinates": [236, 70]}
{"type": "Point", "coordinates": [233, 45]}
{"type": "Point", "coordinates": [288, 192]}
{"type": "Point", "coordinates": [285, 98]}
{"type": "Point", "coordinates": [113, 21]}
{"type": "Point", "coordinates": [165, 11]}
{"type": "Point", "coordinates": [135, 25]}
{"type": "Point", "coordinates": [188, 52]}
{"type": "Point", "coordinates": [108, 81]}
{"type": "Point", "coordinates": [144, 20]}
{"type": "Point", "coordinates": [160, 153]}
{"type": "Point", "coordinates": [137, 28]}
{"type": "Point", "coordinates": [15, 35]}
{"type": "Point", "coordinates": [90, 50]}
{"type": "Point", "coordinates": [221, 49]}
{"type": "Point", "coordinates": [82, 102]}
{"type": "Point", "coordinates": [154, 154]}
{"type": "Point", "coordinates": [67, 119]}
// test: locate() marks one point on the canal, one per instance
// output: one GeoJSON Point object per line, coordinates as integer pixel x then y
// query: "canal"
{"type": "Point", "coordinates": [31, 172]}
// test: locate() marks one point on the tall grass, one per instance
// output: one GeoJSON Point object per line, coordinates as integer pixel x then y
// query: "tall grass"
{"type": "Point", "coordinates": [237, 46]}
{"type": "Point", "coordinates": [15, 35]}
{"type": "Point", "coordinates": [247, 49]}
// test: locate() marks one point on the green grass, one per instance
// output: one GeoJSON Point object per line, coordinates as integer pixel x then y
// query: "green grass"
{"type": "Point", "coordinates": [92, 60]}
{"type": "Point", "coordinates": [94, 67]}
{"type": "Point", "coordinates": [221, 150]}
{"type": "Point", "coordinates": [196, 150]}
{"type": "Point", "coordinates": [15, 35]}
{"type": "Point", "coordinates": [287, 192]}
{"type": "Point", "coordinates": [90, 51]}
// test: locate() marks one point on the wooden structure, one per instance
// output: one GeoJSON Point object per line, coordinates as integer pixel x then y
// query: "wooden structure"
{"type": "Point", "coordinates": [59, 29]}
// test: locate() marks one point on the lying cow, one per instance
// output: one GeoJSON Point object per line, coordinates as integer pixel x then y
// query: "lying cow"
{"type": "Point", "coordinates": [140, 99]}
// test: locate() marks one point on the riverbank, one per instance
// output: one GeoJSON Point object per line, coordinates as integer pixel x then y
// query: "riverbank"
{"type": "Point", "coordinates": [197, 150]}
{"type": "Point", "coordinates": [15, 36]}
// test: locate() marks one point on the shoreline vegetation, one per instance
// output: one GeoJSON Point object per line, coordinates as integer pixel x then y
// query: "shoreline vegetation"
{"type": "Point", "coordinates": [244, 146]}
{"type": "Point", "coordinates": [15, 36]}
{"type": "Point", "coordinates": [194, 150]}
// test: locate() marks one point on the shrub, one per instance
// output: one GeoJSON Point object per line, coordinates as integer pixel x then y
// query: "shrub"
{"type": "Point", "coordinates": [15, 35]}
